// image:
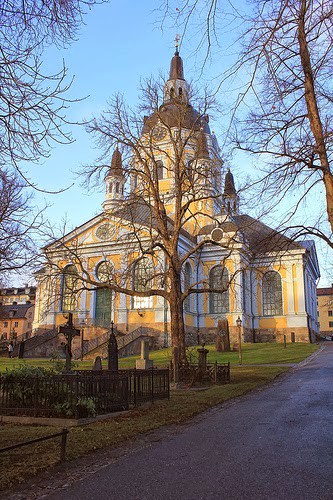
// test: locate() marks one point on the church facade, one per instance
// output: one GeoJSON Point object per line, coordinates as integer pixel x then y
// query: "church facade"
{"type": "Point", "coordinates": [261, 277]}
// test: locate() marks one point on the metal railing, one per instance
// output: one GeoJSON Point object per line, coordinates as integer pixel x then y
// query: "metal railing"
{"type": "Point", "coordinates": [67, 395]}
{"type": "Point", "coordinates": [81, 394]}
{"type": "Point", "coordinates": [63, 443]}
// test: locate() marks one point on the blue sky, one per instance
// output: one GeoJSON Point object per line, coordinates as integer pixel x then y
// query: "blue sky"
{"type": "Point", "coordinates": [120, 43]}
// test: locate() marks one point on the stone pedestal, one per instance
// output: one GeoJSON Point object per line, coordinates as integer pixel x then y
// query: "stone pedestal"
{"type": "Point", "coordinates": [202, 361]}
{"type": "Point", "coordinates": [222, 336]}
{"type": "Point", "coordinates": [144, 362]}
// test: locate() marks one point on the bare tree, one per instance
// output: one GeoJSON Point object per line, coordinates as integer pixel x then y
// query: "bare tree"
{"type": "Point", "coordinates": [173, 174]}
{"type": "Point", "coordinates": [19, 226]}
{"type": "Point", "coordinates": [287, 51]}
{"type": "Point", "coordinates": [33, 104]}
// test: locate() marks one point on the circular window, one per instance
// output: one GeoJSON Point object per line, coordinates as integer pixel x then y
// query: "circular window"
{"type": "Point", "coordinates": [105, 271]}
{"type": "Point", "coordinates": [103, 232]}
{"type": "Point", "coordinates": [217, 234]}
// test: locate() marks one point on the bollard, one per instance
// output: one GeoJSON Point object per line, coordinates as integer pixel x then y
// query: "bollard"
{"type": "Point", "coordinates": [285, 341]}
{"type": "Point", "coordinates": [63, 445]}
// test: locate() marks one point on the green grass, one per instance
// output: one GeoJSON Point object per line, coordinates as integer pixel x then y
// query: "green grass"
{"type": "Point", "coordinates": [252, 354]}
{"type": "Point", "coordinates": [21, 464]}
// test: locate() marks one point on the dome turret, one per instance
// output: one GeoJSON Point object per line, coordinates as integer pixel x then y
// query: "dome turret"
{"type": "Point", "coordinates": [114, 182]}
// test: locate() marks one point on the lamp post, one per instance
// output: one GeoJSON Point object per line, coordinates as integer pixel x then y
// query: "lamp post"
{"type": "Point", "coordinates": [239, 324]}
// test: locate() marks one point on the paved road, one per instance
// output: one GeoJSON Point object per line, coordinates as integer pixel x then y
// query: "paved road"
{"type": "Point", "coordinates": [272, 444]}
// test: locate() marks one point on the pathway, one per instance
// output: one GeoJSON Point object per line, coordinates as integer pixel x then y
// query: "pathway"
{"type": "Point", "coordinates": [275, 443]}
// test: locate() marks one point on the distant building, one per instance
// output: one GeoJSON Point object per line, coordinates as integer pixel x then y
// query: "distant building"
{"type": "Point", "coordinates": [16, 312]}
{"type": "Point", "coordinates": [325, 310]}
{"type": "Point", "coordinates": [16, 321]}
{"type": "Point", "coordinates": [19, 295]}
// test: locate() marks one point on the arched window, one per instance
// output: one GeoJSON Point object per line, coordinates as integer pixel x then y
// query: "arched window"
{"type": "Point", "coordinates": [219, 301]}
{"type": "Point", "coordinates": [69, 288]}
{"type": "Point", "coordinates": [105, 271]}
{"type": "Point", "coordinates": [180, 92]}
{"type": "Point", "coordinates": [159, 168]}
{"type": "Point", "coordinates": [117, 187]}
{"type": "Point", "coordinates": [110, 187]}
{"type": "Point", "coordinates": [272, 294]}
{"type": "Point", "coordinates": [142, 282]}
{"type": "Point", "coordinates": [172, 92]}
{"type": "Point", "coordinates": [187, 285]}
{"type": "Point", "coordinates": [190, 169]}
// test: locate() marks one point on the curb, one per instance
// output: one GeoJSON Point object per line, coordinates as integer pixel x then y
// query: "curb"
{"type": "Point", "coordinates": [310, 358]}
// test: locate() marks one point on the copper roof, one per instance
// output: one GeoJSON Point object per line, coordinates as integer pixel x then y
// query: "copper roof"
{"type": "Point", "coordinates": [325, 291]}
{"type": "Point", "coordinates": [229, 184]}
{"type": "Point", "coordinates": [116, 164]}
{"type": "Point", "coordinates": [176, 67]}
{"type": "Point", "coordinates": [177, 114]}
{"type": "Point", "coordinates": [260, 238]}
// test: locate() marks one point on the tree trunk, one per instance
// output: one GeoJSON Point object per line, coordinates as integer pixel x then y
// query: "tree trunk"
{"type": "Point", "coordinates": [177, 321]}
{"type": "Point", "coordinates": [313, 111]}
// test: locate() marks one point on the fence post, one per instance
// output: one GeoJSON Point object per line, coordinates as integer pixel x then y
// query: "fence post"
{"type": "Point", "coordinates": [215, 372]}
{"type": "Point", "coordinates": [152, 384]}
{"type": "Point", "coordinates": [134, 394]}
{"type": "Point", "coordinates": [168, 382]}
{"type": "Point", "coordinates": [76, 395]}
{"type": "Point", "coordinates": [63, 445]}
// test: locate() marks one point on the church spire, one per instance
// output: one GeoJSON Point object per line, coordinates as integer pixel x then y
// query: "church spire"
{"type": "Point", "coordinates": [116, 163]}
{"type": "Point", "coordinates": [114, 182]}
{"type": "Point", "coordinates": [176, 66]}
{"type": "Point", "coordinates": [230, 197]}
{"type": "Point", "coordinates": [176, 86]}
{"type": "Point", "coordinates": [229, 184]}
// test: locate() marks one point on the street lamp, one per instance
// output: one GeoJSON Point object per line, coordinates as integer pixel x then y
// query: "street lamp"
{"type": "Point", "coordinates": [239, 324]}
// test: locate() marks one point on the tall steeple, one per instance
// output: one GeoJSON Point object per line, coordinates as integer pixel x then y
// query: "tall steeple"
{"type": "Point", "coordinates": [176, 87]}
{"type": "Point", "coordinates": [230, 196]}
{"type": "Point", "coordinates": [114, 182]}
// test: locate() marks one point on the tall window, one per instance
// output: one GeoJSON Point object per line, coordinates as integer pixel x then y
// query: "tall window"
{"type": "Point", "coordinates": [218, 280]}
{"type": "Point", "coordinates": [142, 282]}
{"type": "Point", "coordinates": [69, 288]}
{"type": "Point", "coordinates": [187, 285]}
{"type": "Point", "coordinates": [244, 290]}
{"type": "Point", "coordinates": [103, 306]}
{"type": "Point", "coordinates": [159, 168]}
{"type": "Point", "coordinates": [272, 294]}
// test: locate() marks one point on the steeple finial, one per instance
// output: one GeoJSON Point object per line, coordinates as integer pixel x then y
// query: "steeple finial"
{"type": "Point", "coordinates": [177, 43]}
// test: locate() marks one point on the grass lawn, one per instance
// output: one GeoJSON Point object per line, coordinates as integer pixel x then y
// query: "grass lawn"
{"type": "Point", "coordinates": [252, 354]}
{"type": "Point", "coordinates": [21, 464]}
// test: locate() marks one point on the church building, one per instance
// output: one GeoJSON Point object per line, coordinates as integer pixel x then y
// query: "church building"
{"type": "Point", "coordinates": [265, 282]}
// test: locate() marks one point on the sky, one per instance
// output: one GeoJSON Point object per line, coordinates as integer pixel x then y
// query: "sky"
{"type": "Point", "coordinates": [120, 43]}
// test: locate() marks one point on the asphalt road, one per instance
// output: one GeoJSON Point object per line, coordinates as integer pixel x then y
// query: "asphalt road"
{"type": "Point", "coordinates": [276, 443]}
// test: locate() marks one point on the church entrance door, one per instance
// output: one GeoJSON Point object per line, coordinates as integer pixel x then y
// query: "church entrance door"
{"type": "Point", "coordinates": [103, 306]}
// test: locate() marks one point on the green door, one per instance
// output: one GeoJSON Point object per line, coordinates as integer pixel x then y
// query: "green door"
{"type": "Point", "coordinates": [103, 306]}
